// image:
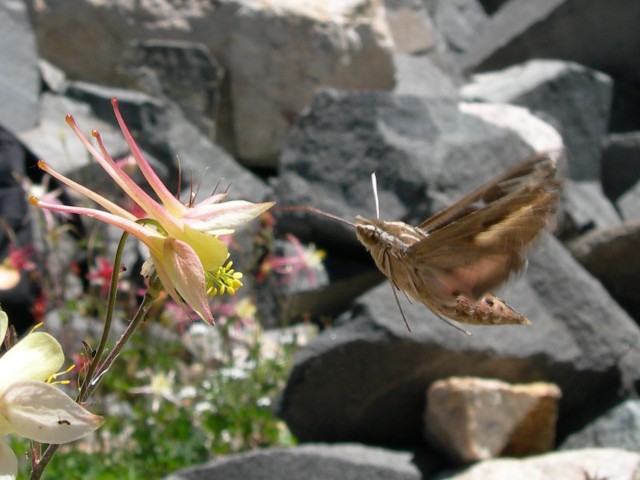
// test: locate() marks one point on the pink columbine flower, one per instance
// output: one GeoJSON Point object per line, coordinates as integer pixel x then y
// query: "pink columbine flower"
{"type": "Point", "coordinates": [20, 258]}
{"type": "Point", "coordinates": [101, 274]}
{"type": "Point", "coordinates": [190, 260]}
{"type": "Point", "coordinates": [303, 260]}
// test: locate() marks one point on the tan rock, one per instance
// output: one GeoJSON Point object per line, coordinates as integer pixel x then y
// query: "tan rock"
{"type": "Point", "coordinates": [276, 53]}
{"type": "Point", "coordinates": [474, 419]}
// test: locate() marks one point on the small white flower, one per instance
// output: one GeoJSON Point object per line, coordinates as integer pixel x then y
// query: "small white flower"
{"type": "Point", "coordinates": [160, 387]}
{"type": "Point", "coordinates": [30, 407]}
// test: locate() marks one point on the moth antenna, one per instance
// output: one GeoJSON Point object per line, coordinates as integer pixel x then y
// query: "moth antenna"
{"type": "Point", "coordinates": [317, 211]}
{"type": "Point", "coordinates": [395, 295]}
{"type": "Point", "coordinates": [374, 183]}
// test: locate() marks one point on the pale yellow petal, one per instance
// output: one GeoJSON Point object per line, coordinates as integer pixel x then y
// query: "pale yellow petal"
{"type": "Point", "coordinates": [8, 462]}
{"type": "Point", "coordinates": [44, 413]}
{"type": "Point", "coordinates": [35, 357]}
{"type": "Point", "coordinates": [4, 324]}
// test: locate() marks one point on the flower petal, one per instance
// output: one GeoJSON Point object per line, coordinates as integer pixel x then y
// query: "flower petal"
{"type": "Point", "coordinates": [185, 272]}
{"type": "Point", "coordinates": [4, 324]}
{"type": "Point", "coordinates": [44, 413]}
{"type": "Point", "coordinates": [211, 251]}
{"type": "Point", "coordinates": [8, 462]}
{"type": "Point", "coordinates": [36, 357]}
{"type": "Point", "coordinates": [223, 216]}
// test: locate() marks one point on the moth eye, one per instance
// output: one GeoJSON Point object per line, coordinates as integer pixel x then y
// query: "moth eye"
{"type": "Point", "coordinates": [488, 301]}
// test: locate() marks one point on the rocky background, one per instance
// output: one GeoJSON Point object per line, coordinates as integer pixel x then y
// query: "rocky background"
{"type": "Point", "coordinates": [300, 101]}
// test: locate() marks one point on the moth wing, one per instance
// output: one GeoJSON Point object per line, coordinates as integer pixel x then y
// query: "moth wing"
{"type": "Point", "coordinates": [471, 250]}
{"type": "Point", "coordinates": [534, 169]}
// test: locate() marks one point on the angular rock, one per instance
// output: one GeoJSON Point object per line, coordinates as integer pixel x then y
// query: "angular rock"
{"type": "Point", "coordinates": [475, 419]}
{"type": "Point", "coordinates": [307, 462]}
{"type": "Point", "coordinates": [613, 257]}
{"type": "Point", "coordinates": [457, 24]}
{"type": "Point", "coordinates": [421, 76]}
{"type": "Point", "coordinates": [164, 131]}
{"type": "Point", "coordinates": [19, 286]}
{"type": "Point", "coordinates": [410, 26]}
{"type": "Point", "coordinates": [19, 77]}
{"type": "Point", "coordinates": [629, 203]}
{"type": "Point", "coordinates": [365, 379]}
{"type": "Point", "coordinates": [185, 72]}
{"type": "Point", "coordinates": [617, 428]}
{"type": "Point", "coordinates": [53, 141]}
{"type": "Point", "coordinates": [575, 98]}
{"type": "Point", "coordinates": [54, 79]}
{"type": "Point", "coordinates": [585, 208]}
{"type": "Point", "coordinates": [277, 53]}
{"type": "Point", "coordinates": [577, 464]}
{"type": "Point", "coordinates": [538, 134]}
{"type": "Point", "coordinates": [426, 152]}
{"type": "Point", "coordinates": [491, 6]}
{"type": "Point", "coordinates": [568, 29]}
{"type": "Point", "coordinates": [620, 163]}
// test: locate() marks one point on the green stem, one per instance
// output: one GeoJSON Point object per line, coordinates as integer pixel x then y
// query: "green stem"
{"type": "Point", "coordinates": [96, 371]}
{"type": "Point", "coordinates": [83, 394]}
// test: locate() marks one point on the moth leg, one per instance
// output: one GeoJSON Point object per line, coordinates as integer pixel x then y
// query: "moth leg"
{"type": "Point", "coordinates": [457, 327]}
{"type": "Point", "coordinates": [395, 295]}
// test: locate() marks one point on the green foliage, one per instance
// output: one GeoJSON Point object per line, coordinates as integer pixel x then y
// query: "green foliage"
{"type": "Point", "coordinates": [217, 408]}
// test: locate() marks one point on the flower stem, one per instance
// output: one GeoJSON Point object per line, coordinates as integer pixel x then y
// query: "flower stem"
{"type": "Point", "coordinates": [96, 371]}
{"type": "Point", "coordinates": [83, 394]}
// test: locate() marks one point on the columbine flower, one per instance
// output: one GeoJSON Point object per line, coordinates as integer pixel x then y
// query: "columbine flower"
{"type": "Point", "coordinates": [160, 387]}
{"type": "Point", "coordinates": [20, 258]}
{"type": "Point", "coordinates": [305, 259]}
{"type": "Point", "coordinates": [188, 257]}
{"type": "Point", "coordinates": [101, 274]}
{"type": "Point", "coordinates": [31, 407]}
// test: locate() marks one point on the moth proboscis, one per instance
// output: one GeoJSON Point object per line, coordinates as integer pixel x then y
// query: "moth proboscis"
{"type": "Point", "coordinates": [452, 260]}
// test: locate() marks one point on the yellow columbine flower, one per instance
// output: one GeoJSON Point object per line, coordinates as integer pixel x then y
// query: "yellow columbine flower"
{"type": "Point", "coordinates": [182, 239]}
{"type": "Point", "coordinates": [29, 406]}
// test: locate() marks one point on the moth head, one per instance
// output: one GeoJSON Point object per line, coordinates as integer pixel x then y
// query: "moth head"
{"type": "Point", "coordinates": [368, 231]}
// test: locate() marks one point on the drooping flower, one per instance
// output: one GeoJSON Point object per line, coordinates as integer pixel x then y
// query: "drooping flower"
{"type": "Point", "coordinates": [290, 266]}
{"type": "Point", "coordinates": [161, 386]}
{"type": "Point", "coordinates": [29, 406]}
{"type": "Point", "coordinates": [182, 239]}
{"type": "Point", "coordinates": [20, 258]}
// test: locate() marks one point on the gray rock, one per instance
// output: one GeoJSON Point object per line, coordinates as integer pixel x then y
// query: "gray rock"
{"type": "Point", "coordinates": [491, 6]}
{"type": "Point", "coordinates": [567, 29]}
{"type": "Point", "coordinates": [629, 203]}
{"type": "Point", "coordinates": [585, 208]}
{"type": "Point", "coordinates": [163, 130]}
{"type": "Point", "coordinates": [620, 163]}
{"type": "Point", "coordinates": [613, 257]}
{"type": "Point", "coordinates": [618, 428]}
{"type": "Point", "coordinates": [184, 72]}
{"type": "Point", "coordinates": [277, 54]}
{"type": "Point", "coordinates": [458, 24]}
{"type": "Point", "coordinates": [365, 379]}
{"type": "Point", "coordinates": [308, 462]}
{"type": "Point", "coordinates": [420, 76]}
{"type": "Point", "coordinates": [54, 142]}
{"type": "Point", "coordinates": [19, 77]}
{"type": "Point", "coordinates": [575, 99]}
{"type": "Point", "coordinates": [410, 25]}
{"type": "Point", "coordinates": [426, 152]}
{"type": "Point", "coordinates": [594, 463]}
{"type": "Point", "coordinates": [54, 79]}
